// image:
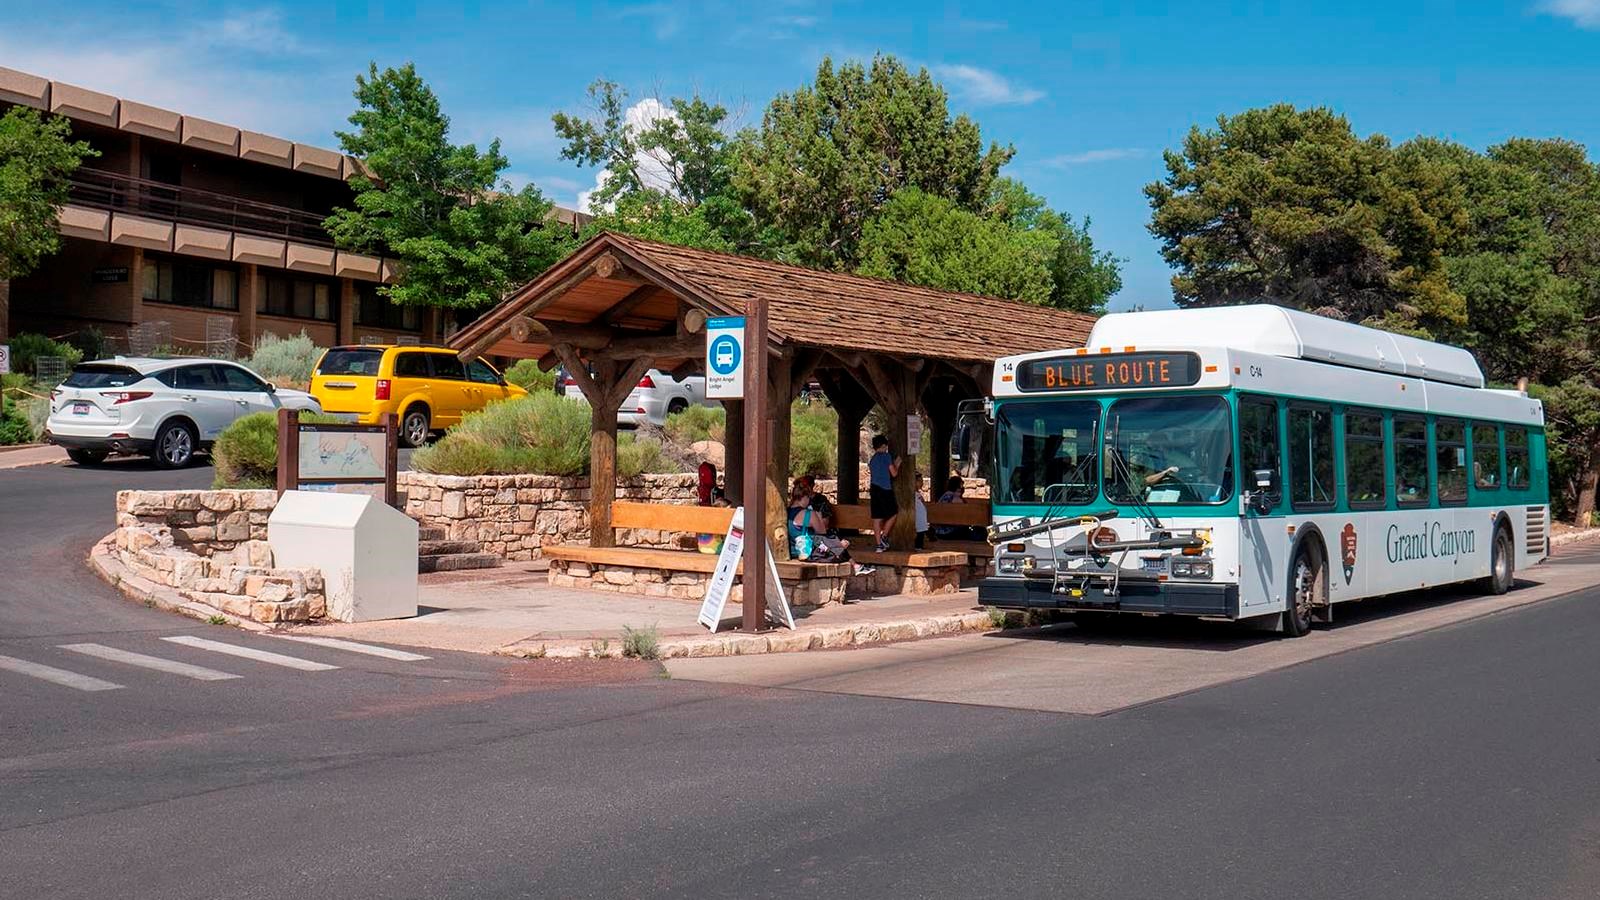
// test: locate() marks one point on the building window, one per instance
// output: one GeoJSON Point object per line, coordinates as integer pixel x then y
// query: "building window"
{"type": "Point", "coordinates": [1363, 459]}
{"type": "Point", "coordinates": [298, 297]}
{"type": "Point", "coordinates": [376, 311]}
{"type": "Point", "coordinates": [183, 282]}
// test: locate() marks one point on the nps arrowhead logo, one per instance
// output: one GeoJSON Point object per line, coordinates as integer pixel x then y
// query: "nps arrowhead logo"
{"type": "Point", "coordinates": [1347, 550]}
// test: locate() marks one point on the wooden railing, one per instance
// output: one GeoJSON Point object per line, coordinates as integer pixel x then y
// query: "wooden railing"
{"type": "Point", "coordinates": [192, 206]}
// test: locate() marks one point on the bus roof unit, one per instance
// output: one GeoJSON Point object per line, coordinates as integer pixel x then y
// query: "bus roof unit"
{"type": "Point", "coordinates": [1289, 333]}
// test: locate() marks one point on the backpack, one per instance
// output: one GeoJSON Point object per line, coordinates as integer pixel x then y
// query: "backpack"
{"type": "Point", "coordinates": [801, 540]}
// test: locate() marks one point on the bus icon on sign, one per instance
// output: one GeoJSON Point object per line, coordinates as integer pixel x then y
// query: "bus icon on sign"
{"type": "Point", "coordinates": [724, 355]}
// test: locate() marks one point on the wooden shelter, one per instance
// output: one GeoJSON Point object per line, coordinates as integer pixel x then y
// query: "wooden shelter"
{"type": "Point", "coordinates": [621, 305]}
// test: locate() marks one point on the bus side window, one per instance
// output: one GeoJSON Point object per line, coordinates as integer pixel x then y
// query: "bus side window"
{"type": "Point", "coordinates": [1517, 459]}
{"type": "Point", "coordinates": [1411, 461]}
{"type": "Point", "coordinates": [1258, 447]}
{"type": "Point", "coordinates": [1450, 460]}
{"type": "Point", "coordinates": [1485, 457]}
{"type": "Point", "coordinates": [1311, 476]}
{"type": "Point", "coordinates": [1363, 459]}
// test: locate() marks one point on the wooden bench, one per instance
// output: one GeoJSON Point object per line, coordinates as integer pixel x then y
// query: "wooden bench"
{"type": "Point", "coordinates": [980, 556]}
{"type": "Point", "coordinates": [680, 574]}
{"type": "Point", "coordinates": [910, 571]}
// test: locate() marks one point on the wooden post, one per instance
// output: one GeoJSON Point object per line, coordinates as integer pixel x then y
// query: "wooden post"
{"type": "Point", "coordinates": [940, 404]}
{"type": "Point", "coordinates": [733, 451]}
{"type": "Point", "coordinates": [757, 446]}
{"type": "Point", "coordinates": [780, 423]}
{"type": "Point", "coordinates": [288, 450]}
{"type": "Point", "coordinates": [602, 473]}
{"type": "Point", "coordinates": [852, 403]}
{"type": "Point", "coordinates": [903, 537]}
{"type": "Point", "coordinates": [391, 465]}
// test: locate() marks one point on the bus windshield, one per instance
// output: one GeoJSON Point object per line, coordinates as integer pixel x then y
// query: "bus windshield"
{"type": "Point", "coordinates": [1048, 451]}
{"type": "Point", "coordinates": [1171, 449]}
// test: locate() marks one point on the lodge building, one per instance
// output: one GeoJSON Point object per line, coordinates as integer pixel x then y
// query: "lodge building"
{"type": "Point", "coordinates": [190, 232]}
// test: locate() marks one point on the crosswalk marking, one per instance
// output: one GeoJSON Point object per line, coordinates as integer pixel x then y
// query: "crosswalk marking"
{"type": "Point", "coordinates": [199, 673]}
{"type": "Point", "coordinates": [277, 659]}
{"type": "Point", "coordinates": [56, 676]}
{"type": "Point", "coordinates": [354, 647]}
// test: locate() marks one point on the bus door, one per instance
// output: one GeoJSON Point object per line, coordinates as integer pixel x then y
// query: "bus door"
{"type": "Point", "coordinates": [1263, 543]}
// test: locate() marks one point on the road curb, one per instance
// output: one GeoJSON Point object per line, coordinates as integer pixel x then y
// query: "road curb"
{"type": "Point", "coordinates": [103, 562]}
{"type": "Point", "coordinates": [863, 634]}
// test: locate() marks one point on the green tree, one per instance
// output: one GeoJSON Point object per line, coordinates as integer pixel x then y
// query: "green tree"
{"type": "Point", "coordinates": [1291, 206]}
{"type": "Point", "coordinates": [37, 157]}
{"type": "Point", "coordinates": [1022, 251]}
{"type": "Point", "coordinates": [829, 155]}
{"type": "Point", "coordinates": [464, 236]}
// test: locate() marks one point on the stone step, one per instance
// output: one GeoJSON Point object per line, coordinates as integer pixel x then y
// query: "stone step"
{"type": "Point", "coordinates": [435, 547]}
{"type": "Point", "coordinates": [431, 533]}
{"type": "Point", "coordinates": [454, 562]}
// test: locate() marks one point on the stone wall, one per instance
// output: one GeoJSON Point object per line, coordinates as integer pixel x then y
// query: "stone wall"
{"type": "Point", "coordinates": [211, 546]}
{"type": "Point", "coordinates": [516, 516]}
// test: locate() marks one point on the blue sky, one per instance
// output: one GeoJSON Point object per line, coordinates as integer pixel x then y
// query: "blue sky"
{"type": "Point", "coordinates": [1090, 93]}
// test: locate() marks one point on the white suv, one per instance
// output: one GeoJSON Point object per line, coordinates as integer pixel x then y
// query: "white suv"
{"type": "Point", "coordinates": [167, 409]}
{"type": "Point", "coordinates": [656, 396]}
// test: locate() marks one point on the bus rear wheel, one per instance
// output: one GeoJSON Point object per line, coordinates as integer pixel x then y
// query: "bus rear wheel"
{"type": "Point", "coordinates": [1305, 590]}
{"type": "Point", "coordinates": [1502, 563]}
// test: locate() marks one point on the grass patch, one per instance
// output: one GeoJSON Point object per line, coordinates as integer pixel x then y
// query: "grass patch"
{"type": "Point", "coordinates": [600, 649]}
{"type": "Point", "coordinates": [216, 620]}
{"type": "Point", "coordinates": [641, 643]}
{"type": "Point", "coordinates": [997, 617]}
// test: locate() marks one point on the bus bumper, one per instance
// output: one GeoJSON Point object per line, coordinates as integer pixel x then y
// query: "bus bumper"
{"type": "Point", "coordinates": [1174, 598]}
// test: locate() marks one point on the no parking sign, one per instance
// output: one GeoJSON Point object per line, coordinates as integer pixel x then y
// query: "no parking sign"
{"type": "Point", "coordinates": [725, 357]}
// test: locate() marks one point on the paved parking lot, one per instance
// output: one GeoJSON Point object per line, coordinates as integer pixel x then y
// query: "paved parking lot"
{"type": "Point", "coordinates": [1128, 662]}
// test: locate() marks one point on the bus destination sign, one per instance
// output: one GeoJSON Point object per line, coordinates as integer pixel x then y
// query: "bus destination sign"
{"type": "Point", "coordinates": [1113, 371]}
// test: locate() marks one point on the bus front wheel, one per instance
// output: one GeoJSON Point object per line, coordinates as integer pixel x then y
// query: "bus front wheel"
{"type": "Point", "coordinates": [1305, 588]}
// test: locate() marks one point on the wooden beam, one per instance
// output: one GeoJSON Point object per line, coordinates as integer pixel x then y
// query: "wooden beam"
{"type": "Point", "coordinates": [549, 361]}
{"type": "Point", "coordinates": [530, 308]}
{"type": "Point", "coordinates": [687, 367]}
{"type": "Point", "coordinates": [659, 346]}
{"type": "Point", "coordinates": [628, 303]}
{"type": "Point", "coordinates": [609, 267]}
{"type": "Point", "coordinates": [579, 372]}
{"type": "Point", "coordinates": [805, 365]}
{"type": "Point", "coordinates": [628, 380]}
{"type": "Point", "coordinates": [693, 319]}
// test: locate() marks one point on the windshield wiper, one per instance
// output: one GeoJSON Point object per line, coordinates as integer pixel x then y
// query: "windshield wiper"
{"type": "Point", "coordinates": [1135, 494]}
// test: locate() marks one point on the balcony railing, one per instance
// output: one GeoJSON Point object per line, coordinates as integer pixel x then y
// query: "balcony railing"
{"type": "Point", "coordinates": [191, 206]}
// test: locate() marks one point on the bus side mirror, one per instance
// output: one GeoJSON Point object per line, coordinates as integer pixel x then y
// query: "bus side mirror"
{"type": "Point", "coordinates": [1266, 479]}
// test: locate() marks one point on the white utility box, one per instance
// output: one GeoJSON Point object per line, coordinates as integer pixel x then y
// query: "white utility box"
{"type": "Point", "coordinates": [366, 550]}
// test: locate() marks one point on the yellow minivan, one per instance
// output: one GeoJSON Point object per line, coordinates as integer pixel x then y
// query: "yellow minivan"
{"type": "Point", "coordinates": [427, 387]}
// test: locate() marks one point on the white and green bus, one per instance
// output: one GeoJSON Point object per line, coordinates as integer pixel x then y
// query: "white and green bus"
{"type": "Point", "coordinates": [1256, 463]}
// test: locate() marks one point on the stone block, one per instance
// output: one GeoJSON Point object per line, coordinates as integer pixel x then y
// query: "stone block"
{"type": "Point", "coordinates": [264, 501]}
{"type": "Point", "coordinates": [272, 593]}
{"type": "Point", "coordinates": [618, 576]}
{"type": "Point", "coordinates": [258, 553]}
{"type": "Point", "coordinates": [234, 527]}
{"type": "Point", "coordinates": [219, 501]}
{"type": "Point", "coordinates": [234, 605]}
{"type": "Point", "coordinates": [454, 505]}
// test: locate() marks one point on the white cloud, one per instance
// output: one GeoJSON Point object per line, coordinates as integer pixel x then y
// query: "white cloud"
{"type": "Point", "coordinates": [1087, 157]}
{"type": "Point", "coordinates": [666, 18]}
{"type": "Point", "coordinates": [1583, 13]}
{"type": "Point", "coordinates": [654, 172]}
{"type": "Point", "coordinates": [986, 87]}
{"type": "Point", "coordinates": [230, 72]}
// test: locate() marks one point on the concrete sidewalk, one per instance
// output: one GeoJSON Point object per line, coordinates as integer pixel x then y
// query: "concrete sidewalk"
{"type": "Point", "coordinates": [514, 611]}
{"type": "Point", "coordinates": [31, 455]}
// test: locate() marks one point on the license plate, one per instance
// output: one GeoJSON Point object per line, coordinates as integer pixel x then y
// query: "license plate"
{"type": "Point", "coordinates": [80, 408]}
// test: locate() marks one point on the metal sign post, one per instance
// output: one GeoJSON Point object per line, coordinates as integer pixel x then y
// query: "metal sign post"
{"type": "Point", "coordinates": [757, 447]}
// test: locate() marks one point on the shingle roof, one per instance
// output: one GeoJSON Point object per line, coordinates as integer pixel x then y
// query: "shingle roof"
{"type": "Point", "coordinates": [828, 309]}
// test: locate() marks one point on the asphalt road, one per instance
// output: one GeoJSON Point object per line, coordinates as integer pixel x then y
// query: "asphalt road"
{"type": "Point", "coordinates": [1461, 763]}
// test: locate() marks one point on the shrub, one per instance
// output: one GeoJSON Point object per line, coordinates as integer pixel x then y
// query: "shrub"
{"type": "Point", "coordinates": [641, 643]}
{"type": "Point", "coordinates": [246, 453]}
{"type": "Point", "coordinates": [27, 348]}
{"type": "Point", "coordinates": [92, 342]}
{"type": "Point", "coordinates": [814, 448]}
{"type": "Point", "coordinates": [638, 454]}
{"type": "Point", "coordinates": [541, 433]}
{"type": "Point", "coordinates": [285, 361]}
{"type": "Point", "coordinates": [14, 426]}
{"type": "Point", "coordinates": [525, 374]}
{"type": "Point", "coordinates": [697, 423]}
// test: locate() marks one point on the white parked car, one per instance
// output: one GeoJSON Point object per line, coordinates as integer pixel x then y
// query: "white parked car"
{"type": "Point", "coordinates": [167, 409]}
{"type": "Point", "coordinates": [656, 396]}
